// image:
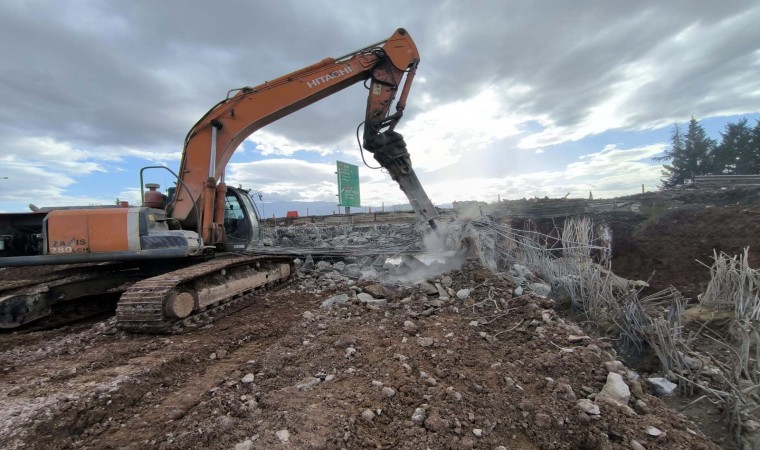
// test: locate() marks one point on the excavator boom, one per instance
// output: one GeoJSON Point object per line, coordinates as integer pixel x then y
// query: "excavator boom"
{"type": "Point", "coordinates": [212, 140]}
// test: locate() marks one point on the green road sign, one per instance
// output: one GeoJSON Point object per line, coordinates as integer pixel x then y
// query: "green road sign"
{"type": "Point", "coordinates": [348, 184]}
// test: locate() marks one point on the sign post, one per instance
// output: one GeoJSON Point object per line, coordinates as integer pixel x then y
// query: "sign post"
{"type": "Point", "coordinates": [348, 186]}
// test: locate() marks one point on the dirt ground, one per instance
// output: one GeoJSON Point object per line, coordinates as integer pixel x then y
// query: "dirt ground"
{"type": "Point", "coordinates": [668, 250]}
{"type": "Point", "coordinates": [488, 371]}
{"type": "Point", "coordinates": [491, 370]}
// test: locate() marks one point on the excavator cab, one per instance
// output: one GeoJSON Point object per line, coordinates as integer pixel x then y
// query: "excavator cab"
{"type": "Point", "coordinates": [241, 221]}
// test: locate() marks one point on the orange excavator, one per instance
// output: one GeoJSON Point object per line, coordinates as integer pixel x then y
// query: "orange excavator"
{"type": "Point", "coordinates": [180, 259]}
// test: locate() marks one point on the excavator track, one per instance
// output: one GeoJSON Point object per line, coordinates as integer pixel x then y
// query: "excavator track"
{"type": "Point", "coordinates": [233, 282]}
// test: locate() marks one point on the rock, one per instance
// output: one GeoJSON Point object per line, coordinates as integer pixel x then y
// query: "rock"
{"type": "Point", "coordinates": [323, 266]}
{"type": "Point", "coordinates": [425, 341]}
{"type": "Point", "coordinates": [543, 420]}
{"type": "Point", "coordinates": [350, 351]}
{"type": "Point", "coordinates": [522, 271]}
{"type": "Point", "coordinates": [226, 422]}
{"type": "Point", "coordinates": [541, 289]}
{"type": "Point", "coordinates": [248, 379]}
{"type": "Point", "coordinates": [588, 407]}
{"type": "Point", "coordinates": [340, 266]}
{"type": "Point", "coordinates": [379, 262]}
{"type": "Point", "coordinates": [378, 290]}
{"type": "Point", "coordinates": [308, 316]}
{"type": "Point", "coordinates": [428, 288]}
{"type": "Point", "coordinates": [308, 264]}
{"type": "Point", "coordinates": [477, 432]}
{"type": "Point", "coordinates": [615, 390]}
{"type": "Point", "coordinates": [419, 416]}
{"type": "Point", "coordinates": [377, 302]}
{"type": "Point", "coordinates": [613, 366]}
{"type": "Point", "coordinates": [364, 297]}
{"type": "Point", "coordinates": [283, 435]}
{"type": "Point", "coordinates": [463, 294]}
{"type": "Point", "coordinates": [519, 290]}
{"type": "Point", "coordinates": [574, 338]}
{"type": "Point", "coordinates": [353, 271]}
{"type": "Point", "coordinates": [388, 391]}
{"type": "Point", "coordinates": [636, 445]}
{"type": "Point", "coordinates": [413, 263]}
{"type": "Point", "coordinates": [339, 299]}
{"type": "Point", "coordinates": [307, 383]}
{"type": "Point", "coordinates": [661, 386]}
{"type": "Point", "coordinates": [436, 423]}
{"type": "Point", "coordinates": [653, 431]}
{"type": "Point", "coordinates": [442, 294]}
{"type": "Point", "coordinates": [410, 327]}
{"type": "Point", "coordinates": [221, 353]}
{"type": "Point", "coordinates": [368, 415]}
{"type": "Point", "coordinates": [330, 377]}
{"type": "Point", "coordinates": [245, 445]}
{"type": "Point", "coordinates": [446, 281]}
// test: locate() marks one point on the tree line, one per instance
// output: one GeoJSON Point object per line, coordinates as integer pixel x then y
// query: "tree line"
{"type": "Point", "coordinates": [693, 153]}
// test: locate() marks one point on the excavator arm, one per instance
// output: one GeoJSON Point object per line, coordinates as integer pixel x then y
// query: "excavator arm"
{"type": "Point", "coordinates": [212, 141]}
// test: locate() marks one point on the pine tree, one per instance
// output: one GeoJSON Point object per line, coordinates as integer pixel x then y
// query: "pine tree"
{"type": "Point", "coordinates": [734, 154]}
{"type": "Point", "coordinates": [753, 164]}
{"type": "Point", "coordinates": [674, 173]}
{"type": "Point", "coordinates": [699, 150]}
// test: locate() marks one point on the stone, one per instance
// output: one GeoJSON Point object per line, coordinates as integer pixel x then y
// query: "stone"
{"type": "Point", "coordinates": [388, 391]}
{"type": "Point", "coordinates": [653, 431]}
{"type": "Point", "coordinates": [636, 445]}
{"type": "Point", "coordinates": [368, 415]}
{"type": "Point", "coordinates": [226, 422]}
{"type": "Point", "coordinates": [588, 407]}
{"type": "Point", "coordinates": [543, 420]}
{"type": "Point", "coordinates": [436, 423]}
{"type": "Point", "coordinates": [519, 290]}
{"type": "Point", "coordinates": [613, 366]}
{"type": "Point", "coordinates": [307, 383]}
{"type": "Point", "coordinates": [245, 445]}
{"type": "Point", "coordinates": [283, 435]}
{"type": "Point", "coordinates": [377, 302]}
{"type": "Point", "coordinates": [463, 294]}
{"type": "Point", "coordinates": [425, 341]}
{"type": "Point", "coordinates": [442, 294]}
{"type": "Point", "coordinates": [378, 290]}
{"type": "Point", "coordinates": [477, 432]}
{"type": "Point", "coordinates": [248, 379]}
{"type": "Point", "coordinates": [339, 299]}
{"type": "Point", "coordinates": [410, 327]}
{"type": "Point", "coordinates": [522, 271]}
{"type": "Point", "coordinates": [323, 266]}
{"type": "Point", "coordinates": [428, 288]}
{"type": "Point", "coordinates": [419, 416]}
{"type": "Point", "coordinates": [575, 338]}
{"type": "Point", "coordinates": [446, 281]}
{"type": "Point", "coordinates": [364, 297]}
{"type": "Point", "coordinates": [308, 316]}
{"type": "Point", "coordinates": [541, 289]}
{"type": "Point", "coordinates": [615, 390]}
{"type": "Point", "coordinates": [308, 264]}
{"type": "Point", "coordinates": [661, 386]}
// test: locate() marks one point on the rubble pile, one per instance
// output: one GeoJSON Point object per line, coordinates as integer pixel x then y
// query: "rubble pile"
{"type": "Point", "coordinates": [463, 360]}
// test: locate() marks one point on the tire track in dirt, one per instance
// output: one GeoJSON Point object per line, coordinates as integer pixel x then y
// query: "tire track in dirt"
{"type": "Point", "coordinates": [91, 389]}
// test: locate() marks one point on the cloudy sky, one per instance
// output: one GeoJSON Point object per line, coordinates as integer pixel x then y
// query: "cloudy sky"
{"type": "Point", "coordinates": [512, 98]}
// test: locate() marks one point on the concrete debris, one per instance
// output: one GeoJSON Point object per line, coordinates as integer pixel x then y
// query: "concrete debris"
{"type": "Point", "coordinates": [339, 299]}
{"type": "Point", "coordinates": [615, 390]}
{"type": "Point", "coordinates": [662, 386]}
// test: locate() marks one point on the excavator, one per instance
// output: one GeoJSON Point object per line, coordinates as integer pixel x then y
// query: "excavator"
{"type": "Point", "coordinates": [181, 259]}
